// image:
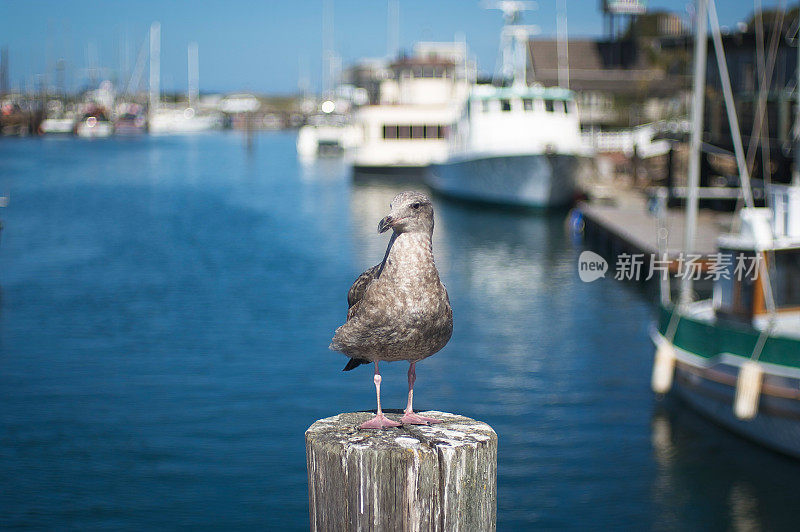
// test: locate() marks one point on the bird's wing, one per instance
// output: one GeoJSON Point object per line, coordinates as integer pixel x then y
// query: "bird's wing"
{"type": "Point", "coordinates": [359, 288]}
{"type": "Point", "coordinates": [356, 292]}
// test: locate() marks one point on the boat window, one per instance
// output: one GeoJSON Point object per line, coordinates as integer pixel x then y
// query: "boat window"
{"type": "Point", "coordinates": [527, 104]}
{"type": "Point", "coordinates": [444, 131]}
{"type": "Point", "coordinates": [417, 132]}
{"type": "Point", "coordinates": [403, 132]}
{"type": "Point", "coordinates": [390, 132]}
{"type": "Point", "coordinates": [548, 106]}
{"type": "Point", "coordinates": [431, 132]}
{"type": "Point", "coordinates": [505, 105]}
{"type": "Point", "coordinates": [485, 106]}
{"type": "Point", "coordinates": [725, 285]}
{"type": "Point", "coordinates": [787, 278]}
{"type": "Point", "coordinates": [734, 289]}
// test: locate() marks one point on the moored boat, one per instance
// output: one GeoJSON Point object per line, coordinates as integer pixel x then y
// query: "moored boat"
{"type": "Point", "coordinates": [94, 124]}
{"type": "Point", "coordinates": [419, 98]}
{"type": "Point", "coordinates": [736, 357]}
{"type": "Point", "coordinates": [131, 121]}
{"type": "Point", "coordinates": [326, 135]}
{"type": "Point", "coordinates": [57, 126]}
{"type": "Point", "coordinates": [513, 144]}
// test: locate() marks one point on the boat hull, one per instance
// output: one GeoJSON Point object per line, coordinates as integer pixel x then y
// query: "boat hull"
{"type": "Point", "coordinates": [709, 357]}
{"type": "Point", "coordinates": [100, 129]}
{"type": "Point", "coordinates": [531, 180]}
{"type": "Point", "coordinates": [776, 426]}
{"type": "Point", "coordinates": [57, 126]}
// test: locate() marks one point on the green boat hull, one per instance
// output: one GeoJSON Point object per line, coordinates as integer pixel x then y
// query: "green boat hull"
{"type": "Point", "coordinates": [709, 356]}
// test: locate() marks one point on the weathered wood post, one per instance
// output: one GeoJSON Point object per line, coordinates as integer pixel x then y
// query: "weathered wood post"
{"type": "Point", "coordinates": [416, 477]}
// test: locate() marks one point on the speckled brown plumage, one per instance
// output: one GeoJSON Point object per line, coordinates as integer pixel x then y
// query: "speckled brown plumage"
{"type": "Point", "coordinates": [399, 309]}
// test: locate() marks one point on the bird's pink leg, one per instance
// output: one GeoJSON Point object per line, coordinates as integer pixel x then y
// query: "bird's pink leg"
{"type": "Point", "coordinates": [409, 417]}
{"type": "Point", "coordinates": [380, 420]}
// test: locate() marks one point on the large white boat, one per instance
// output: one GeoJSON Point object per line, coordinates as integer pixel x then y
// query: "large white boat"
{"type": "Point", "coordinates": [420, 98]}
{"type": "Point", "coordinates": [514, 145]}
{"type": "Point", "coordinates": [518, 144]}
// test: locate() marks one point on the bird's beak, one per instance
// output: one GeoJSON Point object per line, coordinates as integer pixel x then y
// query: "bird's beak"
{"type": "Point", "coordinates": [385, 224]}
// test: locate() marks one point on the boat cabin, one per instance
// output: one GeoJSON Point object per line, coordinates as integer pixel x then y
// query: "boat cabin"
{"type": "Point", "coordinates": [761, 262]}
{"type": "Point", "coordinates": [505, 120]}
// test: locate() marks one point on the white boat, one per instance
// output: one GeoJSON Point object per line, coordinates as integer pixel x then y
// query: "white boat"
{"type": "Point", "coordinates": [59, 121]}
{"type": "Point", "coordinates": [94, 124]}
{"type": "Point", "coordinates": [419, 99]}
{"type": "Point", "coordinates": [58, 126]}
{"type": "Point", "coordinates": [182, 120]}
{"type": "Point", "coordinates": [164, 120]}
{"type": "Point", "coordinates": [326, 135]}
{"type": "Point", "coordinates": [515, 145]}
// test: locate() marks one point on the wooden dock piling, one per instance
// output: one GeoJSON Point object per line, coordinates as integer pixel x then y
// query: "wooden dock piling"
{"type": "Point", "coordinates": [439, 477]}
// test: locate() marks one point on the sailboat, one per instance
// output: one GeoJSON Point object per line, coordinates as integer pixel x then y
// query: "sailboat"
{"type": "Point", "coordinates": [514, 145]}
{"type": "Point", "coordinates": [172, 120]}
{"type": "Point", "coordinates": [328, 132]}
{"type": "Point", "coordinates": [736, 357]}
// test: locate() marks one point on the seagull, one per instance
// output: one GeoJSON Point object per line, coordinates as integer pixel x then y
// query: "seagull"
{"type": "Point", "coordinates": [398, 309]}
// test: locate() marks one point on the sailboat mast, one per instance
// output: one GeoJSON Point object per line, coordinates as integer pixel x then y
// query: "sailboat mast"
{"type": "Point", "coordinates": [693, 181]}
{"type": "Point", "coordinates": [194, 75]}
{"type": "Point", "coordinates": [796, 173]}
{"type": "Point", "coordinates": [155, 65]}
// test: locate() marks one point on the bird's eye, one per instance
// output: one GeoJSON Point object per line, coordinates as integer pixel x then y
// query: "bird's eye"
{"type": "Point", "coordinates": [415, 205]}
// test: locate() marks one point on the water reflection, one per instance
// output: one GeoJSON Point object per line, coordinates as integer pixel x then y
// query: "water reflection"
{"type": "Point", "coordinates": [715, 480]}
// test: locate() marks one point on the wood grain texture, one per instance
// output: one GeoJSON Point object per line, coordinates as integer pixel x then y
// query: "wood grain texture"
{"type": "Point", "coordinates": [412, 478]}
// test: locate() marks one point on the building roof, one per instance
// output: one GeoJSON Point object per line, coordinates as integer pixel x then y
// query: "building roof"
{"type": "Point", "coordinates": [607, 66]}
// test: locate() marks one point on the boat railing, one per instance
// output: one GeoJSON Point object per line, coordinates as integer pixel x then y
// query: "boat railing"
{"type": "Point", "coordinates": [785, 205]}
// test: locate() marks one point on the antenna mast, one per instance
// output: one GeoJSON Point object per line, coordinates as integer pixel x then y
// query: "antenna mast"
{"type": "Point", "coordinates": [514, 39]}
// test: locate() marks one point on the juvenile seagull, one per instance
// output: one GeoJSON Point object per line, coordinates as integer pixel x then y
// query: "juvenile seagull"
{"type": "Point", "coordinates": [398, 309]}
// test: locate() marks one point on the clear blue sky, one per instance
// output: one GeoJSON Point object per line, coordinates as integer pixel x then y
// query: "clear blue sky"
{"type": "Point", "coordinates": [260, 45]}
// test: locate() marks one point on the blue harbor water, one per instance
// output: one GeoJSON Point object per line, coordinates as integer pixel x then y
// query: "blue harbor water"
{"type": "Point", "coordinates": [166, 309]}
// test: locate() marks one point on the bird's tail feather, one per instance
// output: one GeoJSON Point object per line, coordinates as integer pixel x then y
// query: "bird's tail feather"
{"type": "Point", "coordinates": [354, 363]}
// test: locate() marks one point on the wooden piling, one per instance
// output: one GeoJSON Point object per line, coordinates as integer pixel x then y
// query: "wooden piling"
{"type": "Point", "coordinates": [412, 478]}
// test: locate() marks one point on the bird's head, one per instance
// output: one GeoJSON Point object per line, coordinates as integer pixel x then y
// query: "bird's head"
{"type": "Point", "coordinates": [411, 212]}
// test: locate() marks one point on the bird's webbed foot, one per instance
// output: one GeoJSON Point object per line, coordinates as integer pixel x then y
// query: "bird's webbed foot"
{"type": "Point", "coordinates": [380, 421]}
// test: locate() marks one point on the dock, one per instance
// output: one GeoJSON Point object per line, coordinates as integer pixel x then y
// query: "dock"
{"type": "Point", "coordinates": [623, 223]}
